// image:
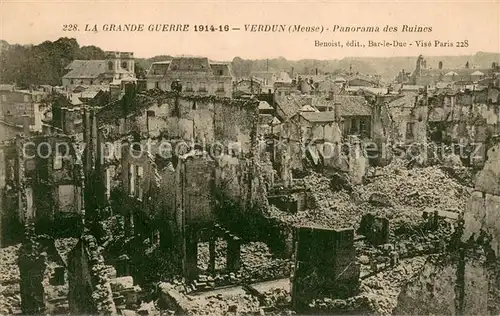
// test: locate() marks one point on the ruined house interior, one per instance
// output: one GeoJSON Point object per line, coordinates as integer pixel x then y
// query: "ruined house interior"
{"type": "Point", "coordinates": [126, 226]}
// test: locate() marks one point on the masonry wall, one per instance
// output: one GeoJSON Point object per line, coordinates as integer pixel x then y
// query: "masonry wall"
{"type": "Point", "coordinates": [80, 282]}
{"type": "Point", "coordinates": [483, 208]}
{"type": "Point", "coordinates": [52, 184]}
{"type": "Point", "coordinates": [435, 290]}
{"type": "Point", "coordinates": [15, 104]}
{"type": "Point", "coordinates": [207, 119]}
{"type": "Point", "coordinates": [212, 84]}
{"type": "Point", "coordinates": [320, 138]}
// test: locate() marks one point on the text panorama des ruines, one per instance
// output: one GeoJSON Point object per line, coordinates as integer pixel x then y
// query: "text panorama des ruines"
{"type": "Point", "coordinates": [254, 28]}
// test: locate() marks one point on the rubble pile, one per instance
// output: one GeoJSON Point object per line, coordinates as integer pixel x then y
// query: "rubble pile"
{"type": "Point", "coordinates": [221, 304]}
{"type": "Point", "coordinates": [10, 298]}
{"type": "Point", "coordinates": [65, 245]}
{"type": "Point", "coordinates": [417, 187]}
{"type": "Point", "coordinates": [220, 255]}
{"type": "Point", "coordinates": [383, 288]}
{"type": "Point", "coordinates": [257, 264]}
{"type": "Point", "coordinates": [232, 300]}
{"type": "Point", "coordinates": [275, 269]}
{"type": "Point", "coordinates": [395, 192]}
{"type": "Point", "coordinates": [9, 271]}
{"type": "Point", "coordinates": [277, 297]}
{"type": "Point", "coordinates": [378, 294]}
{"type": "Point", "coordinates": [356, 305]}
{"type": "Point", "coordinates": [57, 295]}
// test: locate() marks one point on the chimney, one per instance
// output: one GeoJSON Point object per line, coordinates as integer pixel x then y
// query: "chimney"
{"type": "Point", "coordinates": [331, 94]}
{"type": "Point", "coordinates": [26, 125]}
{"type": "Point", "coordinates": [68, 120]}
{"type": "Point", "coordinates": [308, 101]}
{"type": "Point", "coordinates": [336, 110]}
{"type": "Point", "coordinates": [114, 92]}
{"type": "Point", "coordinates": [316, 71]}
{"type": "Point", "coordinates": [440, 65]}
{"type": "Point", "coordinates": [292, 72]}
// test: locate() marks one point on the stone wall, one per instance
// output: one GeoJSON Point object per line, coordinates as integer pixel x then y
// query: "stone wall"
{"type": "Point", "coordinates": [468, 283]}
{"type": "Point", "coordinates": [325, 265]}
{"type": "Point", "coordinates": [483, 210]}
{"type": "Point", "coordinates": [89, 286]}
{"type": "Point", "coordinates": [440, 289]}
{"type": "Point", "coordinates": [205, 119]}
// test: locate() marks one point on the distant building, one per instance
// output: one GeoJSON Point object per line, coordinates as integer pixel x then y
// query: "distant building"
{"type": "Point", "coordinates": [270, 77]}
{"type": "Point", "coordinates": [250, 86]}
{"type": "Point", "coordinates": [18, 105]}
{"type": "Point", "coordinates": [197, 75]}
{"type": "Point", "coordinates": [424, 74]}
{"type": "Point", "coordinates": [116, 67]}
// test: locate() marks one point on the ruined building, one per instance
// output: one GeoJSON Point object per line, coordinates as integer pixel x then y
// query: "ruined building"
{"type": "Point", "coordinates": [197, 76]}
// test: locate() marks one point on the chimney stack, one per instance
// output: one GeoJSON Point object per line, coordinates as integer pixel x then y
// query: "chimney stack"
{"type": "Point", "coordinates": [440, 65]}
{"type": "Point", "coordinates": [26, 125]}
{"type": "Point", "coordinates": [308, 100]}
{"type": "Point", "coordinates": [331, 94]}
{"type": "Point", "coordinates": [336, 110]}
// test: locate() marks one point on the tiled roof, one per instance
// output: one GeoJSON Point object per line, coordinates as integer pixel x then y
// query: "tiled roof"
{"type": "Point", "coordinates": [407, 100]}
{"type": "Point", "coordinates": [265, 119]}
{"type": "Point", "coordinates": [318, 117]}
{"type": "Point", "coordinates": [376, 91]}
{"type": "Point", "coordinates": [6, 87]}
{"type": "Point", "coordinates": [434, 75]}
{"type": "Point", "coordinates": [158, 68]}
{"type": "Point", "coordinates": [262, 74]}
{"type": "Point", "coordinates": [75, 64]}
{"type": "Point", "coordinates": [224, 68]}
{"type": "Point", "coordinates": [290, 105]}
{"type": "Point", "coordinates": [87, 69]}
{"type": "Point", "coordinates": [329, 85]}
{"type": "Point", "coordinates": [199, 64]}
{"type": "Point", "coordinates": [308, 108]}
{"type": "Point", "coordinates": [263, 105]}
{"type": "Point", "coordinates": [349, 105]}
{"type": "Point", "coordinates": [407, 87]}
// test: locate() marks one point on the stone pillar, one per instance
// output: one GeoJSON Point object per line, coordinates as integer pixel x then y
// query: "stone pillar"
{"type": "Point", "coordinates": [123, 266]}
{"type": "Point", "coordinates": [357, 161]}
{"type": "Point", "coordinates": [325, 265]}
{"type": "Point", "coordinates": [26, 125]}
{"type": "Point", "coordinates": [59, 273]}
{"type": "Point", "coordinates": [32, 264]}
{"type": "Point", "coordinates": [233, 253]}
{"type": "Point", "coordinates": [376, 229]}
{"type": "Point", "coordinates": [211, 250]}
{"type": "Point", "coordinates": [191, 255]}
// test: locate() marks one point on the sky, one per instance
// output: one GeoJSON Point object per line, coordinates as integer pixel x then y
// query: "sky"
{"type": "Point", "coordinates": [477, 22]}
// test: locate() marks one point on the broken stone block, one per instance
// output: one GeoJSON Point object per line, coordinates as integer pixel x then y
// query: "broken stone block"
{"type": "Point", "coordinates": [364, 260]}
{"type": "Point", "coordinates": [340, 182]}
{"type": "Point", "coordinates": [380, 199]}
{"type": "Point", "coordinates": [376, 229]}
{"type": "Point", "coordinates": [121, 283]}
{"type": "Point", "coordinates": [147, 309]}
